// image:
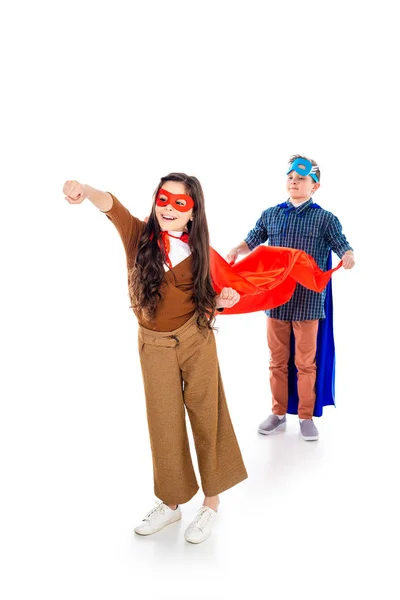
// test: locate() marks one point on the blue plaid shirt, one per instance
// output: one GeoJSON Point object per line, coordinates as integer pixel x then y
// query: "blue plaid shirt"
{"type": "Point", "coordinates": [307, 227]}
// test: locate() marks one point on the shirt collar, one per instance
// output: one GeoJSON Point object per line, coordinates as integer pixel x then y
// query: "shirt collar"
{"type": "Point", "coordinates": [176, 234]}
{"type": "Point", "coordinates": [301, 207]}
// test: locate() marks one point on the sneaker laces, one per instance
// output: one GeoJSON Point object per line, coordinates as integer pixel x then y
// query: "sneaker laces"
{"type": "Point", "coordinates": [156, 511]}
{"type": "Point", "coordinates": [202, 518]}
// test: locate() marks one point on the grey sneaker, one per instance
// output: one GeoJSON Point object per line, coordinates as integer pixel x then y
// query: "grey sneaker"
{"type": "Point", "coordinates": [308, 430]}
{"type": "Point", "coordinates": [271, 424]}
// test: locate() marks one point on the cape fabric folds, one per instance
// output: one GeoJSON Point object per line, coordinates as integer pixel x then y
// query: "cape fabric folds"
{"type": "Point", "coordinates": [267, 278]}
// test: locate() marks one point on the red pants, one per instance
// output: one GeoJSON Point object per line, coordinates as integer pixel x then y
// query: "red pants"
{"type": "Point", "coordinates": [278, 336]}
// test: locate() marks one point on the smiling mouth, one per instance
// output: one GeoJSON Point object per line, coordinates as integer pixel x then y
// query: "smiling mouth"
{"type": "Point", "coordinates": [168, 218]}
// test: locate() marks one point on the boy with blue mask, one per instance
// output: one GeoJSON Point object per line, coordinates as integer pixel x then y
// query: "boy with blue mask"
{"type": "Point", "coordinates": [299, 333]}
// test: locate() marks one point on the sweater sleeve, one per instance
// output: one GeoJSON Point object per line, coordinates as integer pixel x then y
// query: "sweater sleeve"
{"type": "Point", "coordinates": [129, 228]}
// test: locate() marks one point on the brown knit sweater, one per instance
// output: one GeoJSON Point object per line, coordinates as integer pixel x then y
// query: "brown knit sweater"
{"type": "Point", "coordinates": [176, 305]}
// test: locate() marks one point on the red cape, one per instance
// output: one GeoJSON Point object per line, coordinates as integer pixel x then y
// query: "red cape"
{"type": "Point", "coordinates": [267, 277]}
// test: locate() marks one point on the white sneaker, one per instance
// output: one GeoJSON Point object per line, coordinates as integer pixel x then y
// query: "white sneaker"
{"type": "Point", "coordinates": [160, 516]}
{"type": "Point", "coordinates": [200, 529]}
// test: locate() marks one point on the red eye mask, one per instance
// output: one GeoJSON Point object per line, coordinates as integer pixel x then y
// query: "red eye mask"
{"type": "Point", "coordinates": [181, 202]}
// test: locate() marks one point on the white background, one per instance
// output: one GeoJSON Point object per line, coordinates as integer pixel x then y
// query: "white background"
{"type": "Point", "coordinates": [118, 94]}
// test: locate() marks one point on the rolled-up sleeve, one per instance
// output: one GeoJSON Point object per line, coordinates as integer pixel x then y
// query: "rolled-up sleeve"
{"type": "Point", "coordinates": [258, 235]}
{"type": "Point", "coordinates": [335, 237]}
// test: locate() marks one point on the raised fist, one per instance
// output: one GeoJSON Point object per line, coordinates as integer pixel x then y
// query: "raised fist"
{"type": "Point", "coordinates": [74, 192]}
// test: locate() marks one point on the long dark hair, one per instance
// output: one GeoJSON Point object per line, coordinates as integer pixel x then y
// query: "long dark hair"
{"type": "Point", "coordinates": [147, 275]}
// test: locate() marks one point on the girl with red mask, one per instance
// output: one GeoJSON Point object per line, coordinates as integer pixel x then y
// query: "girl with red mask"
{"type": "Point", "coordinates": [174, 301]}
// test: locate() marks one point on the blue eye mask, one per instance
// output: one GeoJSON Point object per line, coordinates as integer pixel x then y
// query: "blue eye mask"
{"type": "Point", "coordinates": [303, 167]}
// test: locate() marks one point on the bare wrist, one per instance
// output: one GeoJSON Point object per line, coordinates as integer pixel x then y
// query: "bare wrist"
{"type": "Point", "coordinates": [86, 190]}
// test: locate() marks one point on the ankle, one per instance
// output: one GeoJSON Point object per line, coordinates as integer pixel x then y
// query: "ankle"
{"type": "Point", "coordinates": [211, 502]}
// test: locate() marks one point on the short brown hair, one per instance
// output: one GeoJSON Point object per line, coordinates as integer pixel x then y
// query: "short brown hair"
{"type": "Point", "coordinates": [317, 172]}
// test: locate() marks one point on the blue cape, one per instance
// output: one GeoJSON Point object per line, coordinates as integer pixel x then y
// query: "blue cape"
{"type": "Point", "coordinates": [325, 357]}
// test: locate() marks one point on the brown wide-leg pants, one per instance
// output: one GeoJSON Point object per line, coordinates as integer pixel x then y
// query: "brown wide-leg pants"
{"type": "Point", "coordinates": [180, 370]}
{"type": "Point", "coordinates": [278, 336]}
